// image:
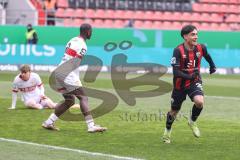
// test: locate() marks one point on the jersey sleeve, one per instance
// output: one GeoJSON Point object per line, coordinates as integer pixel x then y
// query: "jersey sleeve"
{"type": "Point", "coordinates": [39, 84]}
{"type": "Point", "coordinates": [38, 80]}
{"type": "Point", "coordinates": [175, 61]}
{"type": "Point", "coordinates": [207, 56]}
{"type": "Point", "coordinates": [82, 50]}
{"type": "Point", "coordinates": [78, 45]}
{"type": "Point", "coordinates": [204, 50]}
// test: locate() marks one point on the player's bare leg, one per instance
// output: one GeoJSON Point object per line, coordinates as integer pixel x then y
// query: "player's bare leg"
{"type": "Point", "coordinates": [31, 103]}
{"type": "Point", "coordinates": [69, 100]}
{"type": "Point", "coordinates": [79, 93]}
{"type": "Point", "coordinates": [196, 110]}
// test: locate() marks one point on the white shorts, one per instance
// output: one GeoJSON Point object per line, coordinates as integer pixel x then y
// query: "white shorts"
{"type": "Point", "coordinates": [67, 84]}
{"type": "Point", "coordinates": [38, 100]}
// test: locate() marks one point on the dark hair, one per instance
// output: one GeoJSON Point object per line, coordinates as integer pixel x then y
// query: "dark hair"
{"type": "Point", "coordinates": [84, 28]}
{"type": "Point", "coordinates": [187, 29]}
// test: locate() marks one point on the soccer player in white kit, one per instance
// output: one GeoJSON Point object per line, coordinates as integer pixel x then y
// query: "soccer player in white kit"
{"type": "Point", "coordinates": [31, 87]}
{"type": "Point", "coordinates": [70, 85]}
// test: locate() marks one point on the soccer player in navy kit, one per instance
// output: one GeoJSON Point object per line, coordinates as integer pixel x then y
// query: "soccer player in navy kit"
{"type": "Point", "coordinates": [186, 63]}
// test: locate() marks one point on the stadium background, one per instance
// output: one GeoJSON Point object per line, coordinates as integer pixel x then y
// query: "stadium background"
{"type": "Point", "coordinates": [152, 26]}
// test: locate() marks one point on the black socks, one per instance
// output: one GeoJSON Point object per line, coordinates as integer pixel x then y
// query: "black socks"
{"type": "Point", "coordinates": [195, 112]}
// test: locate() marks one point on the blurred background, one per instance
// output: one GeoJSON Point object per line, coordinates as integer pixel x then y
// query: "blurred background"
{"type": "Point", "coordinates": [151, 26]}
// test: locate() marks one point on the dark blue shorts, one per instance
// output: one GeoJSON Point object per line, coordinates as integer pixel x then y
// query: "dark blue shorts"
{"type": "Point", "coordinates": [178, 96]}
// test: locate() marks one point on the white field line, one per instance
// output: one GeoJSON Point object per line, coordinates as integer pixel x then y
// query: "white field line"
{"type": "Point", "coordinates": [69, 149]}
{"type": "Point", "coordinates": [217, 97]}
{"type": "Point", "coordinates": [223, 97]}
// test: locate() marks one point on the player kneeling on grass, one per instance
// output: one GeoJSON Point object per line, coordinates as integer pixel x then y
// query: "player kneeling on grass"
{"type": "Point", "coordinates": [186, 63]}
{"type": "Point", "coordinates": [70, 86]}
{"type": "Point", "coordinates": [31, 87]}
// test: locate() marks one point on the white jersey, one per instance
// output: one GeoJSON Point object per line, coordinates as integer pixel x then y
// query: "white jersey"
{"type": "Point", "coordinates": [30, 89]}
{"type": "Point", "coordinates": [76, 47]}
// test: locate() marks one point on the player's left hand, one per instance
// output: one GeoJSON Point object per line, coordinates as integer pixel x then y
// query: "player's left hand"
{"type": "Point", "coordinates": [212, 70]}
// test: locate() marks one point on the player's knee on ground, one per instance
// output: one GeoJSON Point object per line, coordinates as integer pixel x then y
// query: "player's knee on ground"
{"type": "Point", "coordinates": [32, 104]}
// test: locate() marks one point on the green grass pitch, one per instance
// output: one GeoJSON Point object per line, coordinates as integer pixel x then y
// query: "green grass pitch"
{"type": "Point", "coordinates": [132, 131]}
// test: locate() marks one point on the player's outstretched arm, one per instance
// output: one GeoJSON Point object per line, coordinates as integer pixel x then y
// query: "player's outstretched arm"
{"type": "Point", "coordinates": [209, 60]}
{"type": "Point", "coordinates": [211, 63]}
{"type": "Point", "coordinates": [14, 100]}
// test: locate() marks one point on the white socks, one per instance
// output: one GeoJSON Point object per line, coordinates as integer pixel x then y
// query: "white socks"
{"type": "Point", "coordinates": [89, 121]}
{"type": "Point", "coordinates": [52, 118]}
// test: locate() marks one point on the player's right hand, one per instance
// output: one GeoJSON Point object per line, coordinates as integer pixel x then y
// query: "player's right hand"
{"type": "Point", "coordinates": [212, 70]}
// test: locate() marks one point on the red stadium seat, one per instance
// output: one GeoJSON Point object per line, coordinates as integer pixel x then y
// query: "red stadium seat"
{"type": "Point", "coordinates": [177, 25]}
{"type": "Point", "coordinates": [204, 26]}
{"type": "Point", "coordinates": [69, 12]}
{"type": "Point", "coordinates": [157, 15]}
{"type": "Point", "coordinates": [77, 22]}
{"type": "Point", "coordinates": [79, 13]}
{"type": "Point", "coordinates": [139, 15]}
{"type": "Point", "coordinates": [234, 18]}
{"type": "Point", "coordinates": [90, 21]}
{"type": "Point", "coordinates": [233, 8]}
{"type": "Point", "coordinates": [195, 17]}
{"type": "Point", "coordinates": [60, 13]}
{"type": "Point", "coordinates": [119, 23]}
{"type": "Point", "coordinates": [234, 1]}
{"type": "Point", "coordinates": [108, 23]}
{"type": "Point", "coordinates": [196, 24]}
{"type": "Point", "coordinates": [205, 17]}
{"type": "Point", "coordinates": [167, 25]}
{"type": "Point", "coordinates": [138, 24]}
{"type": "Point", "coordinates": [167, 16]}
{"type": "Point", "coordinates": [90, 13]}
{"type": "Point", "coordinates": [177, 15]}
{"type": "Point", "coordinates": [109, 14]}
{"type": "Point", "coordinates": [118, 14]}
{"type": "Point", "coordinates": [128, 14]}
{"type": "Point", "coordinates": [214, 17]}
{"type": "Point", "coordinates": [68, 22]}
{"type": "Point", "coordinates": [157, 24]}
{"type": "Point", "coordinates": [98, 23]}
{"type": "Point", "coordinates": [186, 16]}
{"type": "Point", "coordinates": [100, 13]}
{"type": "Point", "coordinates": [148, 15]}
{"type": "Point", "coordinates": [224, 27]}
{"type": "Point", "coordinates": [62, 3]}
{"type": "Point", "coordinates": [147, 25]}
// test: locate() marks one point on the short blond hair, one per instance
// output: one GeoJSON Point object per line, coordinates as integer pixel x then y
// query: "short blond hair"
{"type": "Point", "coordinates": [25, 68]}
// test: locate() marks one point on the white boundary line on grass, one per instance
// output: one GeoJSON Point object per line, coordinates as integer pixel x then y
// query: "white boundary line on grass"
{"type": "Point", "coordinates": [224, 97]}
{"type": "Point", "coordinates": [69, 149]}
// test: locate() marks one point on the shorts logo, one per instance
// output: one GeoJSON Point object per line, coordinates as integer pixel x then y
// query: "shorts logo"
{"type": "Point", "coordinates": [172, 100]}
{"type": "Point", "coordinates": [199, 85]}
{"type": "Point", "coordinates": [173, 60]}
